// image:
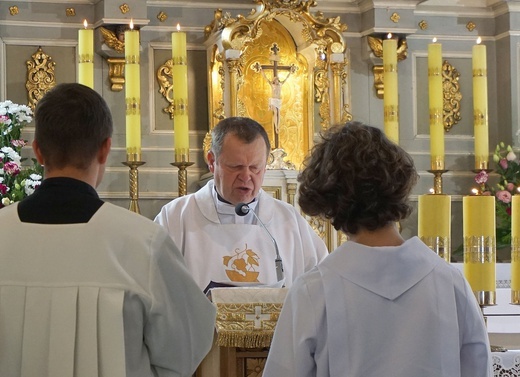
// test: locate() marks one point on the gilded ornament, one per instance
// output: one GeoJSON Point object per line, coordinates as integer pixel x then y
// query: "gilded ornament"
{"type": "Point", "coordinates": [162, 16]}
{"type": "Point", "coordinates": [40, 76]}
{"type": "Point", "coordinates": [376, 45]}
{"type": "Point", "coordinates": [377, 70]}
{"type": "Point", "coordinates": [452, 96]}
{"type": "Point", "coordinates": [116, 73]}
{"type": "Point", "coordinates": [13, 10]}
{"type": "Point", "coordinates": [70, 12]}
{"type": "Point", "coordinates": [336, 48]}
{"type": "Point", "coordinates": [423, 25]}
{"type": "Point", "coordinates": [165, 81]}
{"type": "Point", "coordinates": [112, 40]}
{"type": "Point", "coordinates": [124, 8]}
{"type": "Point", "coordinates": [471, 26]}
{"type": "Point", "coordinates": [395, 17]}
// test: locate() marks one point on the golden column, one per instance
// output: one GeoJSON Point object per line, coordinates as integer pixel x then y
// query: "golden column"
{"type": "Point", "coordinates": [338, 72]}
{"type": "Point", "coordinates": [233, 64]}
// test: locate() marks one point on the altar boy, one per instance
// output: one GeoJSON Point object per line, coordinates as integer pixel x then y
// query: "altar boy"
{"type": "Point", "coordinates": [88, 288]}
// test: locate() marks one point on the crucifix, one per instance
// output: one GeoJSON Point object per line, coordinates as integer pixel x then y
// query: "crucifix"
{"type": "Point", "coordinates": [275, 102]}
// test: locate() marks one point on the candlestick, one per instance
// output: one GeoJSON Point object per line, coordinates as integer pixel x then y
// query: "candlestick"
{"type": "Point", "coordinates": [515, 250]}
{"type": "Point", "coordinates": [86, 56]}
{"type": "Point", "coordinates": [436, 99]}
{"type": "Point", "coordinates": [478, 213]}
{"type": "Point", "coordinates": [480, 106]}
{"type": "Point", "coordinates": [132, 92]}
{"type": "Point", "coordinates": [434, 226]}
{"type": "Point", "coordinates": [182, 176]}
{"type": "Point", "coordinates": [180, 96]}
{"type": "Point", "coordinates": [390, 98]}
{"type": "Point", "coordinates": [133, 162]}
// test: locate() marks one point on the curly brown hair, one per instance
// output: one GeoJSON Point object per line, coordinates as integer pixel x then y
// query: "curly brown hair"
{"type": "Point", "coordinates": [357, 178]}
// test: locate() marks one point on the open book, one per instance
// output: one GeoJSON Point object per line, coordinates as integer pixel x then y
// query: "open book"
{"type": "Point", "coordinates": [236, 284]}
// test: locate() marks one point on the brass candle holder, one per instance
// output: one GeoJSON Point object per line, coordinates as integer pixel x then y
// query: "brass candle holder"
{"type": "Point", "coordinates": [182, 163]}
{"type": "Point", "coordinates": [437, 180]}
{"type": "Point", "coordinates": [133, 161]}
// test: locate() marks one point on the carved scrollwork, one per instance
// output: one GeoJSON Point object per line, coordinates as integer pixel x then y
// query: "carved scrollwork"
{"type": "Point", "coordinates": [165, 81]}
{"type": "Point", "coordinates": [452, 95]}
{"type": "Point", "coordinates": [40, 76]}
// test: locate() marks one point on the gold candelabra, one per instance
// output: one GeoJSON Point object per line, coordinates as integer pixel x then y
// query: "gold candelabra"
{"type": "Point", "coordinates": [182, 164]}
{"type": "Point", "coordinates": [133, 161]}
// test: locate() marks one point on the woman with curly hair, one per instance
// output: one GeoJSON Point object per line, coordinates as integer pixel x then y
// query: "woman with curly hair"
{"type": "Point", "coordinates": [378, 305]}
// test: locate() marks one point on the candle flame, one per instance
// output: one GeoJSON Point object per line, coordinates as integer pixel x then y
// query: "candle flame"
{"type": "Point", "coordinates": [389, 36]}
{"type": "Point", "coordinates": [432, 191]}
{"type": "Point", "coordinates": [85, 23]}
{"type": "Point", "coordinates": [434, 39]}
{"type": "Point", "coordinates": [178, 27]}
{"type": "Point", "coordinates": [479, 40]}
{"type": "Point", "coordinates": [131, 24]}
{"type": "Point", "coordinates": [474, 191]}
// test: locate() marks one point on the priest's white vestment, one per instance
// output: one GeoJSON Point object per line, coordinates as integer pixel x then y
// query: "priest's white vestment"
{"type": "Point", "coordinates": [380, 311]}
{"type": "Point", "coordinates": [111, 297]}
{"type": "Point", "coordinates": [240, 253]}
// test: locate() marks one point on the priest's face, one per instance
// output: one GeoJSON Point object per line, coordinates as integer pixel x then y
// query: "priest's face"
{"type": "Point", "coordinates": [239, 169]}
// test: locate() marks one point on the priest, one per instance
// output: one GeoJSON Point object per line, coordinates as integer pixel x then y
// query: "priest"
{"type": "Point", "coordinates": [221, 246]}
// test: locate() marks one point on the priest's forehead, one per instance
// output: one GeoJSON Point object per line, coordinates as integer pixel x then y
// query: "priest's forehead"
{"type": "Point", "coordinates": [245, 129]}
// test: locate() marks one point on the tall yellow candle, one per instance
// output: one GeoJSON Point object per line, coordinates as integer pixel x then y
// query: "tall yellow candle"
{"type": "Point", "coordinates": [180, 96]}
{"type": "Point", "coordinates": [436, 99]}
{"type": "Point", "coordinates": [515, 249]}
{"type": "Point", "coordinates": [86, 56]}
{"type": "Point", "coordinates": [480, 106]}
{"type": "Point", "coordinates": [390, 98]}
{"type": "Point", "coordinates": [434, 226]}
{"type": "Point", "coordinates": [132, 94]}
{"type": "Point", "coordinates": [478, 214]}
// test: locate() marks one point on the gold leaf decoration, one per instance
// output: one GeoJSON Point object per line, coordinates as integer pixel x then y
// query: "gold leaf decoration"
{"type": "Point", "coordinates": [40, 76]}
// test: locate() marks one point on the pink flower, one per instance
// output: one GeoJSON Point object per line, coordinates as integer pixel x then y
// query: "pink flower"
{"type": "Point", "coordinates": [3, 189]}
{"type": "Point", "coordinates": [504, 196]}
{"type": "Point", "coordinates": [481, 177]}
{"type": "Point", "coordinates": [510, 187]}
{"type": "Point", "coordinates": [18, 143]}
{"type": "Point", "coordinates": [503, 163]}
{"type": "Point", "coordinates": [3, 118]}
{"type": "Point", "coordinates": [11, 168]}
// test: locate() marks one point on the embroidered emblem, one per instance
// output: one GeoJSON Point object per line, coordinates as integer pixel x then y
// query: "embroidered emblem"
{"type": "Point", "coordinates": [241, 265]}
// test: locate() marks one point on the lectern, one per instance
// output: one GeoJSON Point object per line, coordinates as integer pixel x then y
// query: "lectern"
{"type": "Point", "coordinates": [246, 319]}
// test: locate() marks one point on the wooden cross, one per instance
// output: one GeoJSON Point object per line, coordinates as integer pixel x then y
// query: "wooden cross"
{"type": "Point", "coordinates": [275, 58]}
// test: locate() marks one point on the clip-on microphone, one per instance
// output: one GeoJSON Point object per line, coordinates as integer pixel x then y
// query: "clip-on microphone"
{"type": "Point", "coordinates": [242, 209]}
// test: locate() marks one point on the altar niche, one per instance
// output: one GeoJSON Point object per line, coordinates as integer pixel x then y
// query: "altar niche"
{"type": "Point", "coordinates": [283, 67]}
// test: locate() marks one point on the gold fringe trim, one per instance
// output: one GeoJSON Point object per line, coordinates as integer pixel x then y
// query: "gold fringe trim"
{"type": "Point", "coordinates": [244, 339]}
